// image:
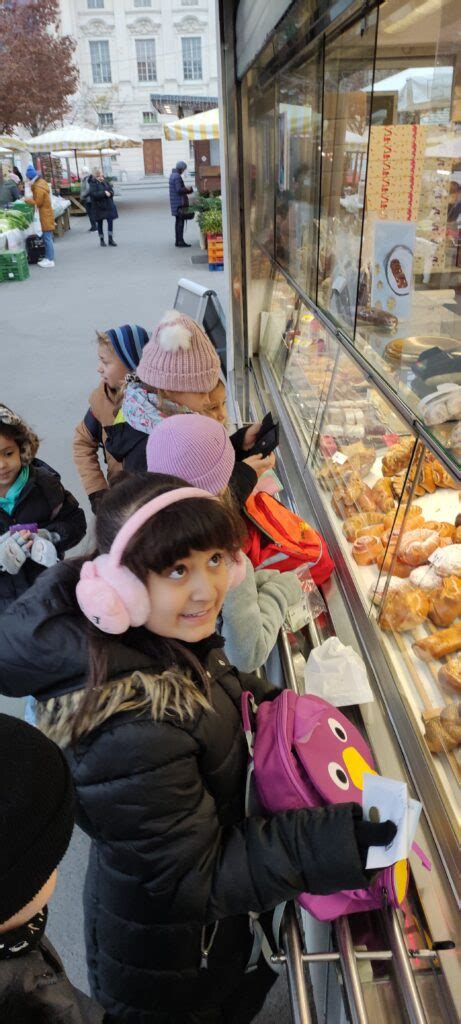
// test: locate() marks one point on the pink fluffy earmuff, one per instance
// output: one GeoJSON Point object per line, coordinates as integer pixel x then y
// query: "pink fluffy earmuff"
{"type": "Point", "coordinates": [109, 594]}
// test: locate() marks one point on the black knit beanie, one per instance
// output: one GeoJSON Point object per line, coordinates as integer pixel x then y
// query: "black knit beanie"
{"type": "Point", "coordinates": [36, 812]}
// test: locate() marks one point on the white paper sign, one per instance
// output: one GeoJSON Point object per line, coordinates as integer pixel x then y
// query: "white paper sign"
{"type": "Point", "coordinates": [388, 800]}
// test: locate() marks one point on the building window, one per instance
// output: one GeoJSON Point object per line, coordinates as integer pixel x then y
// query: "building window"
{"type": "Point", "coordinates": [94, 5]}
{"type": "Point", "coordinates": [106, 119]}
{"type": "Point", "coordinates": [189, 3]}
{"type": "Point", "coordinates": [100, 61]}
{"type": "Point", "coordinates": [149, 117]}
{"type": "Point", "coordinates": [192, 58]}
{"type": "Point", "coordinates": [143, 3]}
{"type": "Point", "coordinates": [145, 56]}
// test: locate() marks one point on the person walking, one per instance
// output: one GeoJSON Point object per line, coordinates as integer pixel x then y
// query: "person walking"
{"type": "Point", "coordinates": [85, 197]}
{"type": "Point", "coordinates": [102, 205]}
{"type": "Point", "coordinates": [37, 193]}
{"type": "Point", "coordinates": [179, 202]}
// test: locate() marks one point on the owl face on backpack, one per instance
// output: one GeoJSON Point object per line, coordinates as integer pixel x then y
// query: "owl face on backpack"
{"type": "Point", "coordinates": [332, 751]}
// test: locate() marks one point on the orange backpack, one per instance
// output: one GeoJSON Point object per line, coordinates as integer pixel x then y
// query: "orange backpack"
{"type": "Point", "coordinates": [279, 539]}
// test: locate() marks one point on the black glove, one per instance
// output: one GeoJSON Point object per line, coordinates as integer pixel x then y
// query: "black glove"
{"type": "Point", "coordinates": [95, 498]}
{"type": "Point", "coordinates": [370, 833]}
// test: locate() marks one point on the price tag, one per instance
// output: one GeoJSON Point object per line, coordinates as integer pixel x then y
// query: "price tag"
{"type": "Point", "coordinates": [339, 459]}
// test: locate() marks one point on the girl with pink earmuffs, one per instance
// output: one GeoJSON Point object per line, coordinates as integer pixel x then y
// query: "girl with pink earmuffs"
{"type": "Point", "coordinates": [159, 759]}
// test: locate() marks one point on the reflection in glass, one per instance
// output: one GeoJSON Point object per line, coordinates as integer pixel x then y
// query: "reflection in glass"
{"type": "Point", "coordinates": [347, 109]}
{"type": "Point", "coordinates": [298, 168]}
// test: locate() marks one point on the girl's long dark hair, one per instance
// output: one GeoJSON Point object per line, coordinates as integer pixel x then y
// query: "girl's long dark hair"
{"type": "Point", "coordinates": [196, 525]}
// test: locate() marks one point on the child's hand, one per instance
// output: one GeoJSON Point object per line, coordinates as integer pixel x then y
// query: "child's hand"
{"type": "Point", "coordinates": [261, 463]}
{"type": "Point", "coordinates": [27, 538]}
{"type": "Point", "coordinates": [250, 436]}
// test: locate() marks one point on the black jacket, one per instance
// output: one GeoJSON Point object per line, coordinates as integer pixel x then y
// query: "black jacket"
{"type": "Point", "coordinates": [39, 979]}
{"type": "Point", "coordinates": [44, 501]}
{"type": "Point", "coordinates": [128, 446]}
{"type": "Point", "coordinates": [163, 802]}
{"type": "Point", "coordinates": [102, 206]}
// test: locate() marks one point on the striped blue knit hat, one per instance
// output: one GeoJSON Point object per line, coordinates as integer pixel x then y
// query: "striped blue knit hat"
{"type": "Point", "coordinates": [128, 342]}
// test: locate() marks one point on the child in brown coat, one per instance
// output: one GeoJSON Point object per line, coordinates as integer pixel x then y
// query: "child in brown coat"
{"type": "Point", "coordinates": [119, 352]}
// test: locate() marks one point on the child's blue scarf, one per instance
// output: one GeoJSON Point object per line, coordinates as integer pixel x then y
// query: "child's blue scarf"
{"type": "Point", "coordinates": [8, 502]}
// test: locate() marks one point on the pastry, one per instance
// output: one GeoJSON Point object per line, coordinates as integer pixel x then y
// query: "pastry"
{"type": "Point", "coordinates": [404, 609]}
{"type": "Point", "coordinates": [377, 318]}
{"type": "Point", "coordinates": [443, 529]}
{"type": "Point", "coordinates": [445, 602]}
{"type": "Point", "coordinates": [368, 531]}
{"type": "Point", "coordinates": [352, 494]}
{"type": "Point", "coordinates": [398, 457]}
{"type": "Point", "coordinates": [361, 519]}
{"type": "Point", "coordinates": [365, 550]}
{"type": "Point", "coordinates": [425, 577]}
{"type": "Point", "coordinates": [443, 728]}
{"type": "Point", "coordinates": [450, 673]}
{"type": "Point", "coordinates": [447, 560]}
{"type": "Point", "coordinates": [457, 536]}
{"type": "Point", "coordinates": [442, 405]}
{"type": "Point", "coordinates": [376, 590]}
{"type": "Point", "coordinates": [417, 545]}
{"type": "Point", "coordinates": [387, 562]}
{"type": "Point", "coordinates": [398, 274]}
{"type": "Point", "coordinates": [382, 494]}
{"type": "Point", "coordinates": [414, 513]}
{"type": "Point", "coordinates": [438, 645]}
{"type": "Point", "coordinates": [361, 457]}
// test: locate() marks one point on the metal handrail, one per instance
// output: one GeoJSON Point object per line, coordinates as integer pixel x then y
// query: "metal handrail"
{"type": "Point", "coordinates": [347, 956]}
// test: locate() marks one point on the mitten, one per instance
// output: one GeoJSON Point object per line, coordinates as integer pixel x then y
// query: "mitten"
{"type": "Point", "coordinates": [370, 833]}
{"type": "Point", "coordinates": [13, 553]}
{"type": "Point", "coordinates": [43, 552]}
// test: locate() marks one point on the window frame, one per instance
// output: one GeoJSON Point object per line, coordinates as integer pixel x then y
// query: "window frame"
{"type": "Point", "coordinates": [104, 114]}
{"type": "Point", "coordinates": [145, 61]}
{"type": "Point", "coordinates": [100, 63]}
{"type": "Point", "coordinates": [95, 5]}
{"type": "Point", "coordinates": [150, 116]}
{"type": "Point", "coordinates": [191, 59]}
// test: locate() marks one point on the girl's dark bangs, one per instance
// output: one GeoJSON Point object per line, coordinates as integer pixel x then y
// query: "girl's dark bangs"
{"type": "Point", "coordinates": [196, 525]}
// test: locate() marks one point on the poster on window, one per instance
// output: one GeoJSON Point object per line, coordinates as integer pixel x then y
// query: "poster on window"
{"type": "Point", "coordinates": [394, 246]}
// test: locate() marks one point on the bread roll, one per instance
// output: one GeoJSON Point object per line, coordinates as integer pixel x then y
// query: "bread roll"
{"type": "Point", "coordinates": [445, 602]}
{"type": "Point", "coordinates": [404, 609]}
{"type": "Point", "coordinates": [439, 645]}
{"type": "Point", "coordinates": [443, 728]}
{"type": "Point", "coordinates": [450, 673]}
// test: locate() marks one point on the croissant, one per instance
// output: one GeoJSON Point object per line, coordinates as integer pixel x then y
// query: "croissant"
{"type": "Point", "coordinates": [443, 728]}
{"type": "Point", "coordinates": [388, 563]}
{"type": "Point", "coordinates": [417, 545]}
{"type": "Point", "coordinates": [401, 484]}
{"type": "Point", "coordinates": [404, 609]}
{"type": "Point", "coordinates": [438, 645]}
{"type": "Point", "coordinates": [443, 529]}
{"type": "Point", "coordinates": [441, 477]}
{"type": "Point", "coordinates": [398, 457]}
{"type": "Point", "coordinates": [353, 524]}
{"type": "Point", "coordinates": [382, 494]}
{"type": "Point", "coordinates": [415, 512]}
{"type": "Point", "coordinates": [445, 602]}
{"type": "Point", "coordinates": [450, 673]}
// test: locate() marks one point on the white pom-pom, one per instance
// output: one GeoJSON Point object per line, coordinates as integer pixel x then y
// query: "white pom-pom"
{"type": "Point", "coordinates": [174, 336]}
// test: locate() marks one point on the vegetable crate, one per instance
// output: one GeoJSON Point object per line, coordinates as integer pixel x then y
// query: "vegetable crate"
{"type": "Point", "coordinates": [13, 266]}
{"type": "Point", "coordinates": [215, 252]}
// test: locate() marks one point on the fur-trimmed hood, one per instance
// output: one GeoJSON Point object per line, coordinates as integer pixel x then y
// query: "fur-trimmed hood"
{"type": "Point", "coordinates": [168, 695]}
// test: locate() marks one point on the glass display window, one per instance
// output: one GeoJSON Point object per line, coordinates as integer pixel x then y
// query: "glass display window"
{"type": "Point", "coordinates": [298, 141]}
{"type": "Point", "coordinates": [347, 103]}
{"type": "Point", "coordinates": [408, 315]}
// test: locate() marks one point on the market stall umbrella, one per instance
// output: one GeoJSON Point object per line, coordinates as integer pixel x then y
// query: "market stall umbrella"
{"type": "Point", "coordinates": [11, 144]}
{"type": "Point", "coordinates": [199, 126]}
{"type": "Point", "coordinates": [74, 137]}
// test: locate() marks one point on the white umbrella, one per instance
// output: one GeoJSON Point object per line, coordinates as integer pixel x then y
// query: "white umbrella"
{"type": "Point", "coordinates": [75, 138]}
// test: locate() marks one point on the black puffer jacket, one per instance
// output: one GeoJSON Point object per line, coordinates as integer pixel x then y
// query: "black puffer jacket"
{"type": "Point", "coordinates": [44, 501]}
{"type": "Point", "coordinates": [37, 980]}
{"type": "Point", "coordinates": [102, 205]}
{"type": "Point", "coordinates": [163, 802]}
{"type": "Point", "coordinates": [128, 447]}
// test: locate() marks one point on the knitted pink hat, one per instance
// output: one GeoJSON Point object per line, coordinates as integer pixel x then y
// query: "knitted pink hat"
{"type": "Point", "coordinates": [193, 447]}
{"type": "Point", "coordinates": [179, 356]}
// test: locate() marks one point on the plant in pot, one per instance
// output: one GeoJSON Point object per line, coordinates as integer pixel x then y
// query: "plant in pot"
{"type": "Point", "coordinates": [212, 222]}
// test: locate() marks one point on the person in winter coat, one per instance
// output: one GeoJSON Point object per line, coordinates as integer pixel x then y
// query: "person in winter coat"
{"type": "Point", "coordinates": [85, 197]}
{"type": "Point", "coordinates": [178, 370]}
{"type": "Point", "coordinates": [39, 519]}
{"type": "Point", "coordinates": [102, 205]}
{"type": "Point", "coordinates": [179, 202]}
{"type": "Point", "coordinates": [158, 757]}
{"type": "Point", "coordinates": [37, 193]}
{"type": "Point", "coordinates": [36, 821]}
{"type": "Point", "coordinates": [198, 449]}
{"type": "Point", "coordinates": [119, 351]}
{"type": "Point", "coordinates": [9, 190]}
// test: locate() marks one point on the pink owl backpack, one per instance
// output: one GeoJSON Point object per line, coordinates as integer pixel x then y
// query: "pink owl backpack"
{"type": "Point", "coordinates": [305, 753]}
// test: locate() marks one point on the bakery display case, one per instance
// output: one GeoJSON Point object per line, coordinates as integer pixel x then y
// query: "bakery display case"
{"type": "Point", "coordinates": [346, 141]}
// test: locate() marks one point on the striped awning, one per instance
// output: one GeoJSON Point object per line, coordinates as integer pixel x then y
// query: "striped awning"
{"type": "Point", "coordinates": [199, 126]}
{"type": "Point", "coordinates": [75, 138]}
{"type": "Point", "coordinates": [10, 144]}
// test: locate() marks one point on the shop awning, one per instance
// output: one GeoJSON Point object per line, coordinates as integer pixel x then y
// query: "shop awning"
{"type": "Point", "coordinates": [163, 102]}
{"type": "Point", "coordinates": [10, 144]}
{"type": "Point", "coordinates": [77, 139]}
{"type": "Point", "coordinates": [199, 126]}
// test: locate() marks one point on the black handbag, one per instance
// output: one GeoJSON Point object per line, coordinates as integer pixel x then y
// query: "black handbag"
{"type": "Point", "coordinates": [185, 213]}
{"type": "Point", "coordinates": [35, 248]}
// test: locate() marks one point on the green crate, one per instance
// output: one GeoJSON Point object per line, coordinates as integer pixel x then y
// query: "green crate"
{"type": "Point", "coordinates": [14, 266]}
